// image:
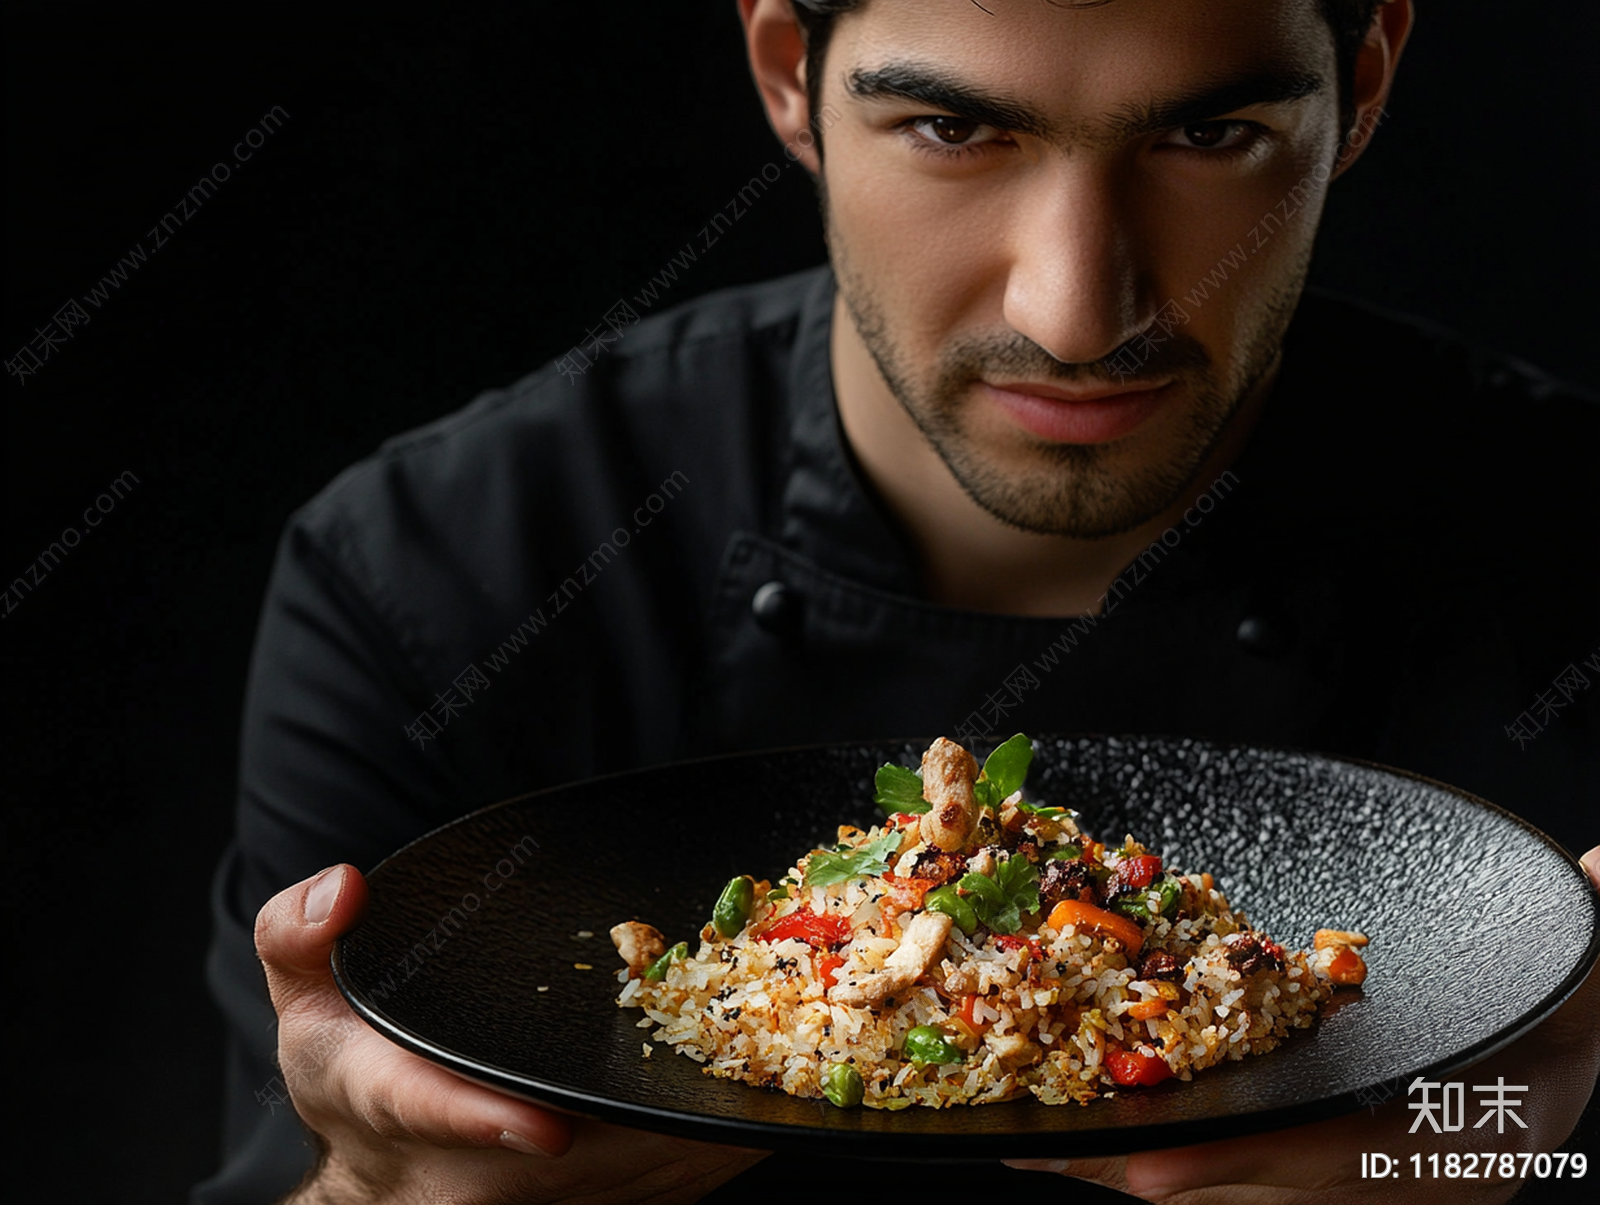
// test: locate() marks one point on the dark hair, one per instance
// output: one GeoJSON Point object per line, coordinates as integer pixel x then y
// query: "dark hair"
{"type": "Point", "coordinates": [1349, 21]}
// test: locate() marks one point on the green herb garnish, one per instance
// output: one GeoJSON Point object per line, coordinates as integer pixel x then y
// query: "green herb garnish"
{"type": "Point", "coordinates": [898, 790]}
{"type": "Point", "coordinates": [825, 869]}
{"type": "Point", "coordinates": [1001, 901]}
{"type": "Point", "coordinates": [1167, 890]}
{"type": "Point", "coordinates": [1034, 809]}
{"type": "Point", "coordinates": [944, 899]}
{"type": "Point", "coordinates": [1004, 771]}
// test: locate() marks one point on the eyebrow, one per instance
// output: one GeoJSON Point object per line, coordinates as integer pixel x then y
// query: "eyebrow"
{"type": "Point", "coordinates": [939, 89]}
{"type": "Point", "coordinates": [1268, 87]}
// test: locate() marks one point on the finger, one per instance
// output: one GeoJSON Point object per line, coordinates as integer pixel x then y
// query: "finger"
{"type": "Point", "coordinates": [1591, 864]}
{"type": "Point", "coordinates": [1111, 1172]}
{"type": "Point", "coordinates": [402, 1096]}
{"type": "Point", "coordinates": [395, 1092]}
{"type": "Point", "coordinates": [1573, 1023]}
{"type": "Point", "coordinates": [1304, 1157]}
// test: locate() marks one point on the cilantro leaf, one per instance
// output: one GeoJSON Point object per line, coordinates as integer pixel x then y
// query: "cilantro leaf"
{"type": "Point", "coordinates": [898, 790]}
{"type": "Point", "coordinates": [824, 869]}
{"type": "Point", "coordinates": [1166, 890]}
{"type": "Point", "coordinates": [1000, 901]}
{"type": "Point", "coordinates": [1007, 766]}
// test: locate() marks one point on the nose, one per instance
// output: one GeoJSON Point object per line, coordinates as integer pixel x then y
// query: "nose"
{"type": "Point", "coordinates": [1074, 284]}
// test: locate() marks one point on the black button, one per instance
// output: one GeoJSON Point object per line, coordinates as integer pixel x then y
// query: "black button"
{"type": "Point", "coordinates": [777, 609]}
{"type": "Point", "coordinates": [1266, 633]}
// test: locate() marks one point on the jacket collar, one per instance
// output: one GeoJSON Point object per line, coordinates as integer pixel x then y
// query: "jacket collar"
{"type": "Point", "coordinates": [830, 514]}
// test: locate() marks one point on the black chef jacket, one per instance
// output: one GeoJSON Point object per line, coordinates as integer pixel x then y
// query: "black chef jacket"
{"type": "Point", "coordinates": [672, 553]}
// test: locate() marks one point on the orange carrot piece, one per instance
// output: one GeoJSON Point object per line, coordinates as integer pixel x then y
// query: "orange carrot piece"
{"type": "Point", "coordinates": [1097, 920]}
{"type": "Point", "coordinates": [1146, 1009]}
{"type": "Point", "coordinates": [1347, 968]}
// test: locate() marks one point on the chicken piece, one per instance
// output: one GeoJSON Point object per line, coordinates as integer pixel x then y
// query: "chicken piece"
{"type": "Point", "coordinates": [948, 772]}
{"type": "Point", "coordinates": [1325, 938]}
{"type": "Point", "coordinates": [639, 944]}
{"type": "Point", "coordinates": [1337, 956]}
{"type": "Point", "coordinates": [1013, 1050]}
{"type": "Point", "coordinates": [921, 942]}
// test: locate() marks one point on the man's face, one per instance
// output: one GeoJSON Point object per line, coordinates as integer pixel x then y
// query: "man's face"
{"type": "Point", "coordinates": [1012, 199]}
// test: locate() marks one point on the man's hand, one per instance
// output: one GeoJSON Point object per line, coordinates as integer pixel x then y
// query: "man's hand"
{"type": "Point", "coordinates": [396, 1128]}
{"type": "Point", "coordinates": [1559, 1061]}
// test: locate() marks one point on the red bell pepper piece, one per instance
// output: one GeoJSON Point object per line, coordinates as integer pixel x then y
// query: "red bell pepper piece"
{"type": "Point", "coordinates": [1130, 1067]}
{"type": "Point", "coordinates": [809, 927]}
{"type": "Point", "coordinates": [1138, 872]}
{"type": "Point", "coordinates": [1009, 941]}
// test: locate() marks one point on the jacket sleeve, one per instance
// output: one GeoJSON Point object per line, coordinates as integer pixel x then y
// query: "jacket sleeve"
{"type": "Point", "coordinates": [326, 775]}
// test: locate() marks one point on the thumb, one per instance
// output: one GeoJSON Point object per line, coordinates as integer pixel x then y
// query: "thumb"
{"type": "Point", "coordinates": [1591, 864]}
{"type": "Point", "coordinates": [296, 929]}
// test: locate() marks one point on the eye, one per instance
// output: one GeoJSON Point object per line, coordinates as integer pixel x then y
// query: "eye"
{"type": "Point", "coordinates": [1215, 136]}
{"type": "Point", "coordinates": [946, 135]}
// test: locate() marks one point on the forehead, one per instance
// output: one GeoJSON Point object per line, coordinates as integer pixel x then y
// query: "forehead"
{"type": "Point", "coordinates": [1078, 63]}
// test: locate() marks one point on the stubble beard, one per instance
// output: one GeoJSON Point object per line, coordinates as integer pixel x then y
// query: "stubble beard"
{"type": "Point", "coordinates": [1085, 491]}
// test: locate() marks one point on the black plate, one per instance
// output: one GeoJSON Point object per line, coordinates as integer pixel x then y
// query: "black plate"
{"type": "Point", "coordinates": [467, 924]}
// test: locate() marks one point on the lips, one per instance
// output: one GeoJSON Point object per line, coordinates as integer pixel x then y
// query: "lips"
{"type": "Point", "coordinates": [1091, 415]}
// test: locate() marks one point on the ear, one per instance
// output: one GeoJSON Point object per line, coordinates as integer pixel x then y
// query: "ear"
{"type": "Point", "coordinates": [778, 63]}
{"type": "Point", "coordinates": [1374, 73]}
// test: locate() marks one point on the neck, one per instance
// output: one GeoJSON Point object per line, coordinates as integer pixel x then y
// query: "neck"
{"type": "Point", "coordinates": [969, 558]}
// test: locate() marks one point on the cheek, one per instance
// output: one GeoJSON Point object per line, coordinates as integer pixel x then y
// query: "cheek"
{"type": "Point", "coordinates": [930, 255]}
{"type": "Point", "coordinates": [1243, 225]}
{"type": "Point", "coordinates": [1226, 255]}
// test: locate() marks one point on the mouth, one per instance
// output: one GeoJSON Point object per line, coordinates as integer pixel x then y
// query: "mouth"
{"type": "Point", "coordinates": [1089, 414]}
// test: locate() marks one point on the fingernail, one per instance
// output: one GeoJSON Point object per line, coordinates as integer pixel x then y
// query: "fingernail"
{"type": "Point", "coordinates": [321, 894]}
{"type": "Point", "coordinates": [517, 1142]}
{"type": "Point", "coordinates": [1591, 863]}
{"type": "Point", "coordinates": [1039, 1165]}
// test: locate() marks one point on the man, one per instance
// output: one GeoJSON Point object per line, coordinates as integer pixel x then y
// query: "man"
{"type": "Point", "coordinates": [849, 504]}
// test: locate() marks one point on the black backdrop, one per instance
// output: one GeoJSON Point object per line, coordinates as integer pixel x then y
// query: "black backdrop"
{"type": "Point", "coordinates": [446, 202]}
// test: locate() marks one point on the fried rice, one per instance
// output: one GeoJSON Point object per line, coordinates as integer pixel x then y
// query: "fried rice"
{"type": "Point", "coordinates": [884, 973]}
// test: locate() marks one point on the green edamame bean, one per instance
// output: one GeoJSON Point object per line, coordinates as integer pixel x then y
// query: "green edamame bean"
{"type": "Point", "coordinates": [843, 1087]}
{"type": "Point", "coordinates": [733, 905]}
{"type": "Point", "coordinates": [926, 1044]}
{"type": "Point", "coordinates": [946, 900]}
{"type": "Point", "coordinates": [657, 970]}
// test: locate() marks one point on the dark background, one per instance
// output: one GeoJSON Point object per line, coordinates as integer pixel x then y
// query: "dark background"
{"type": "Point", "coordinates": [451, 201]}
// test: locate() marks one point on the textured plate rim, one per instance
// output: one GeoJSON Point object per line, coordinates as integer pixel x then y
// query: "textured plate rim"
{"type": "Point", "coordinates": [935, 1146]}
